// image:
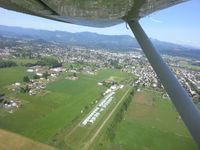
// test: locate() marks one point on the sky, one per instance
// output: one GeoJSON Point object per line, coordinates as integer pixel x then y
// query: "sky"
{"type": "Point", "coordinates": [178, 24]}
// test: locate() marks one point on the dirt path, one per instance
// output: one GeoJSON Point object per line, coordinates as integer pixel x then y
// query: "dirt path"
{"type": "Point", "coordinates": [87, 145]}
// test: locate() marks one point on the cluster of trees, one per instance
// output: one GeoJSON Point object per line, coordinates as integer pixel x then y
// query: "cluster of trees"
{"type": "Point", "coordinates": [27, 79]}
{"type": "Point", "coordinates": [25, 89]}
{"type": "Point", "coordinates": [108, 84]}
{"type": "Point", "coordinates": [45, 75]}
{"type": "Point", "coordinates": [36, 76]}
{"type": "Point", "coordinates": [110, 132]}
{"type": "Point", "coordinates": [196, 63]}
{"type": "Point", "coordinates": [30, 64]}
{"type": "Point", "coordinates": [47, 61]}
{"type": "Point", "coordinates": [7, 63]}
{"type": "Point", "coordinates": [115, 64]}
{"type": "Point", "coordinates": [2, 96]}
{"type": "Point", "coordinates": [74, 74]}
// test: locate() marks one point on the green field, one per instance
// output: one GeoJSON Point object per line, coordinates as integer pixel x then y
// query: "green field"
{"type": "Point", "coordinates": [42, 117]}
{"type": "Point", "coordinates": [79, 136]}
{"type": "Point", "coordinates": [24, 61]}
{"type": "Point", "coordinates": [151, 123]}
{"type": "Point", "coordinates": [11, 75]}
{"type": "Point", "coordinates": [189, 65]}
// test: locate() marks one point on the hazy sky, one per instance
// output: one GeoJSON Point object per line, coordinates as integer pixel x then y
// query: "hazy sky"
{"type": "Point", "coordinates": [177, 24]}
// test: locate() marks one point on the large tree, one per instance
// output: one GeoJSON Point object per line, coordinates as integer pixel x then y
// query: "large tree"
{"type": "Point", "coordinates": [26, 79]}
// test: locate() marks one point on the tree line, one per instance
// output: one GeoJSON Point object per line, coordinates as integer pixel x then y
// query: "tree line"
{"type": "Point", "coordinates": [52, 62]}
{"type": "Point", "coordinates": [7, 63]}
{"type": "Point", "coordinates": [110, 132]}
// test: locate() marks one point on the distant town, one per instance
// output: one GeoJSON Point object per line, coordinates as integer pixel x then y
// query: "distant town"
{"type": "Point", "coordinates": [73, 75]}
{"type": "Point", "coordinates": [52, 92]}
{"type": "Point", "coordinates": [48, 61]}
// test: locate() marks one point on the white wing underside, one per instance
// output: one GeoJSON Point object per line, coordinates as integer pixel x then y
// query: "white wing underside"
{"type": "Point", "coordinates": [97, 13]}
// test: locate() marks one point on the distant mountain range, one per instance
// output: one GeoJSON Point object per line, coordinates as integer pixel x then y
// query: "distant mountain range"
{"type": "Point", "coordinates": [96, 41]}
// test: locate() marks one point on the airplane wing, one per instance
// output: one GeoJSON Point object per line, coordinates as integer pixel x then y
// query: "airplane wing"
{"type": "Point", "coordinates": [96, 13]}
{"type": "Point", "coordinates": [104, 13]}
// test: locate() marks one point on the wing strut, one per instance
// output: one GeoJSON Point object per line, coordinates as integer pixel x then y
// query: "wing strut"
{"type": "Point", "coordinates": [183, 103]}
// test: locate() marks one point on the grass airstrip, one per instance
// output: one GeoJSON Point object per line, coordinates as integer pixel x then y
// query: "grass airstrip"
{"type": "Point", "coordinates": [42, 117]}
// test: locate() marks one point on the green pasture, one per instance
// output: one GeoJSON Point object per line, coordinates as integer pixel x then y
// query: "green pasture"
{"type": "Point", "coordinates": [151, 123]}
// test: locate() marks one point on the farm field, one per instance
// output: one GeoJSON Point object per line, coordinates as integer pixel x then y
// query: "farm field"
{"type": "Point", "coordinates": [151, 123]}
{"type": "Point", "coordinates": [11, 75]}
{"type": "Point", "coordinates": [16, 142]}
{"type": "Point", "coordinates": [24, 61]}
{"type": "Point", "coordinates": [42, 117]}
{"type": "Point", "coordinates": [189, 65]}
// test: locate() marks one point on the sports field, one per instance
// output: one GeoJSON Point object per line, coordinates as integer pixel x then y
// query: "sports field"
{"type": "Point", "coordinates": [151, 123]}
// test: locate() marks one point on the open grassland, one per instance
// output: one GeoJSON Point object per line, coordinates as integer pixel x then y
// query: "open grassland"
{"type": "Point", "coordinates": [24, 61]}
{"type": "Point", "coordinates": [42, 117]}
{"type": "Point", "coordinates": [151, 123]}
{"type": "Point", "coordinates": [188, 65]}
{"type": "Point", "coordinates": [81, 137]}
{"type": "Point", "coordinates": [11, 75]}
{"type": "Point", "coordinates": [198, 105]}
{"type": "Point", "coordinates": [12, 141]}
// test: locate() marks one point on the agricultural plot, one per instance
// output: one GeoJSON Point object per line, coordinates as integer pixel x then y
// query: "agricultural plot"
{"type": "Point", "coordinates": [24, 61]}
{"type": "Point", "coordinates": [16, 142]}
{"type": "Point", "coordinates": [11, 75]}
{"type": "Point", "coordinates": [189, 65]}
{"type": "Point", "coordinates": [150, 123]}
